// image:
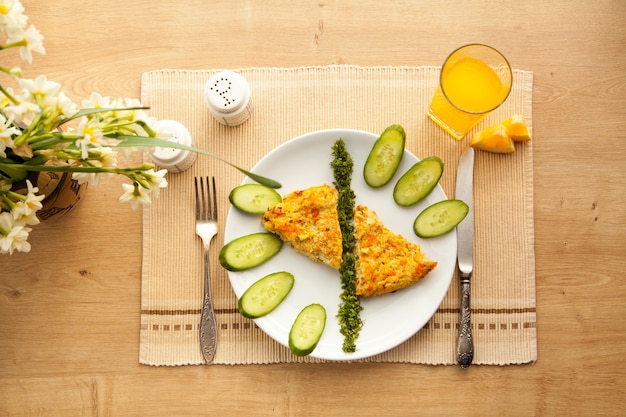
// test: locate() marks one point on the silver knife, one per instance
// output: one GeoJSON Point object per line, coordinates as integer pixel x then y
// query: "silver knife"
{"type": "Point", "coordinates": [465, 255]}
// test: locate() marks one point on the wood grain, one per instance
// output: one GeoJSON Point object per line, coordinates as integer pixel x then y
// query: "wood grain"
{"type": "Point", "coordinates": [69, 310]}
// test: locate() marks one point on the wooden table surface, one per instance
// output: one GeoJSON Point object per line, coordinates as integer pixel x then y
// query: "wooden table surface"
{"type": "Point", "coordinates": [69, 309]}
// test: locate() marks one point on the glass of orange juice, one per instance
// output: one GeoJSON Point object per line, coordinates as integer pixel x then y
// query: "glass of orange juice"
{"type": "Point", "coordinates": [475, 79]}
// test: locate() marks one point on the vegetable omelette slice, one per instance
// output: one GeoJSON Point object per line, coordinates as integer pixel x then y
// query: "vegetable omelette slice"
{"type": "Point", "coordinates": [308, 221]}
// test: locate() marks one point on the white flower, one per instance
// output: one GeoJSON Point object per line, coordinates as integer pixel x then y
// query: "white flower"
{"type": "Point", "coordinates": [92, 136]}
{"type": "Point", "coordinates": [7, 130]}
{"type": "Point", "coordinates": [25, 211]}
{"type": "Point", "coordinates": [12, 17]}
{"type": "Point", "coordinates": [33, 42]}
{"type": "Point", "coordinates": [41, 87]}
{"type": "Point", "coordinates": [157, 180]}
{"type": "Point", "coordinates": [13, 235]}
{"type": "Point", "coordinates": [97, 101]}
{"type": "Point", "coordinates": [135, 115]}
{"type": "Point", "coordinates": [41, 91]}
{"type": "Point", "coordinates": [162, 130]}
{"type": "Point", "coordinates": [93, 178]}
{"type": "Point", "coordinates": [24, 112]}
{"type": "Point", "coordinates": [65, 105]}
{"type": "Point", "coordinates": [135, 195]}
{"type": "Point", "coordinates": [34, 93]}
{"type": "Point", "coordinates": [103, 157]}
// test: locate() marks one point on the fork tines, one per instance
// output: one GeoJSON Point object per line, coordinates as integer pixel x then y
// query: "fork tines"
{"type": "Point", "coordinates": [206, 207]}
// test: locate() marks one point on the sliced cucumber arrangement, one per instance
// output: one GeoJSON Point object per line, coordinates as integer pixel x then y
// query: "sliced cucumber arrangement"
{"type": "Point", "coordinates": [254, 198]}
{"type": "Point", "coordinates": [249, 251]}
{"type": "Point", "coordinates": [266, 294]}
{"type": "Point", "coordinates": [440, 218]}
{"type": "Point", "coordinates": [307, 329]}
{"type": "Point", "coordinates": [418, 181]}
{"type": "Point", "coordinates": [385, 156]}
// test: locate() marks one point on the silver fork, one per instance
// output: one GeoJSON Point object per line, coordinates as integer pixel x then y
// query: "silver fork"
{"type": "Point", "coordinates": [206, 228]}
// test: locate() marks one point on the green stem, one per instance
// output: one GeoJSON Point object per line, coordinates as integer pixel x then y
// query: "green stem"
{"type": "Point", "coordinates": [147, 128]}
{"type": "Point", "coordinates": [49, 141]}
{"type": "Point", "coordinates": [59, 168]}
{"type": "Point", "coordinates": [14, 44]}
{"type": "Point", "coordinates": [26, 133]}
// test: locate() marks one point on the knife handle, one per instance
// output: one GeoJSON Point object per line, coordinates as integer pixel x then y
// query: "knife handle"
{"type": "Point", "coordinates": [465, 349]}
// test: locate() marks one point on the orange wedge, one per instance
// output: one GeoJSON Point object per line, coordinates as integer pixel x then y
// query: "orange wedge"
{"type": "Point", "coordinates": [494, 139]}
{"type": "Point", "coordinates": [516, 128]}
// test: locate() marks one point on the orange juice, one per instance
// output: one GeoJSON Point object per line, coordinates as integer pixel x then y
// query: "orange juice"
{"type": "Point", "coordinates": [472, 85]}
{"type": "Point", "coordinates": [469, 89]}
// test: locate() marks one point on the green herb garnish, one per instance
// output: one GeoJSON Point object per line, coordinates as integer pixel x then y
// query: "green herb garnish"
{"type": "Point", "coordinates": [350, 308]}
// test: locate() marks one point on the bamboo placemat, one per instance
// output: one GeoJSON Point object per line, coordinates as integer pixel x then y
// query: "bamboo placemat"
{"type": "Point", "coordinates": [289, 102]}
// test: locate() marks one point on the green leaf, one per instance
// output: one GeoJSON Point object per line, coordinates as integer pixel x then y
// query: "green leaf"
{"type": "Point", "coordinates": [132, 141]}
{"type": "Point", "coordinates": [13, 171]}
{"type": "Point", "coordinates": [86, 112]}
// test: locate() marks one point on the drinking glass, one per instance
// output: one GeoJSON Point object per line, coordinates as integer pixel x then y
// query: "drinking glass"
{"type": "Point", "coordinates": [475, 79]}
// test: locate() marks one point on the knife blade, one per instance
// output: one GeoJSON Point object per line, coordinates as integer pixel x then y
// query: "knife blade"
{"type": "Point", "coordinates": [465, 254]}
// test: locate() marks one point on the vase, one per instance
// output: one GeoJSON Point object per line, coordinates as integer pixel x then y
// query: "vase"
{"type": "Point", "coordinates": [61, 192]}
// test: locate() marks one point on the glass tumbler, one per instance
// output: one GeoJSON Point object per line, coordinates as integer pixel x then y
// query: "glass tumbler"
{"type": "Point", "coordinates": [475, 79]}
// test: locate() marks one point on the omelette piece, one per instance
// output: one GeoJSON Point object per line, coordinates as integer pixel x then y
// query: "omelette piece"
{"type": "Point", "coordinates": [387, 261]}
{"type": "Point", "coordinates": [308, 221]}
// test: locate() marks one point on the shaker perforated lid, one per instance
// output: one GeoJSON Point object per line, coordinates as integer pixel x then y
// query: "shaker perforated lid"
{"type": "Point", "coordinates": [226, 92]}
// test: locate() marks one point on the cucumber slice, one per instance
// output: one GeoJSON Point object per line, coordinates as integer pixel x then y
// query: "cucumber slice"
{"type": "Point", "coordinates": [307, 329]}
{"type": "Point", "coordinates": [440, 218]}
{"type": "Point", "coordinates": [254, 198]}
{"type": "Point", "coordinates": [265, 295]}
{"type": "Point", "coordinates": [385, 156]}
{"type": "Point", "coordinates": [418, 181]}
{"type": "Point", "coordinates": [249, 251]}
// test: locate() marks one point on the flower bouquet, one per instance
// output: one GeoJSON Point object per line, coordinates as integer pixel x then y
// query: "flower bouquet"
{"type": "Point", "coordinates": [41, 129]}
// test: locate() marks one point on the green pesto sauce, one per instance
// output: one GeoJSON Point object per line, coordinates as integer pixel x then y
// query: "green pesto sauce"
{"type": "Point", "coordinates": [350, 307]}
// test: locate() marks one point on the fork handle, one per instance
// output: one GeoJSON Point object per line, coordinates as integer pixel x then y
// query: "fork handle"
{"type": "Point", "coordinates": [208, 326]}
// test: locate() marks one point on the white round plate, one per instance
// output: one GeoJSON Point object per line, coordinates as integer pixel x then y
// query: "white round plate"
{"type": "Point", "coordinates": [390, 319]}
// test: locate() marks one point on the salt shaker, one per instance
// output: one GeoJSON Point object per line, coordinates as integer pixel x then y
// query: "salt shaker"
{"type": "Point", "coordinates": [227, 95]}
{"type": "Point", "coordinates": [173, 159]}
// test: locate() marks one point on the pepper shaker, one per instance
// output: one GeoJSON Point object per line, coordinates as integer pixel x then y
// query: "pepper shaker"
{"type": "Point", "coordinates": [227, 95]}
